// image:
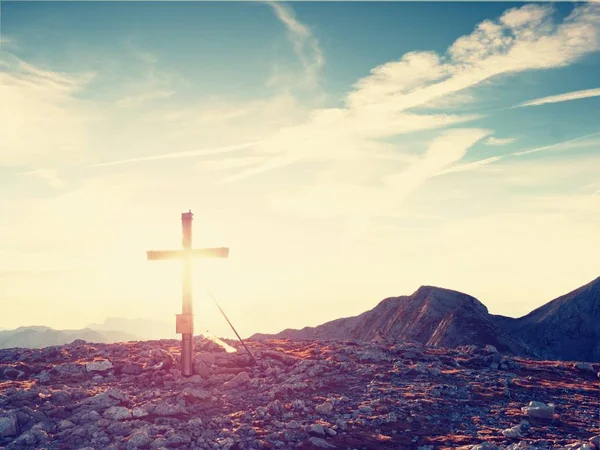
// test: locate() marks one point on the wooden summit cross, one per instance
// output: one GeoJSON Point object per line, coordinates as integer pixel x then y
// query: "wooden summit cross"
{"type": "Point", "coordinates": [185, 320]}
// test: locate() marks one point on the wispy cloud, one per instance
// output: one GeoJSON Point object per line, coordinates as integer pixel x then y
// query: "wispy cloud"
{"type": "Point", "coordinates": [575, 142]}
{"type": "Point", "coordinates": [40, 115]}
{"type": "Point", "coordinates": [144, 96]}
{"type": "Point", "coordinates": [471, 166]}
{"type": "Point", "coordinates": [305, 46]}
{"type": "Point", "coordinates": [384, 103]}
{"type": "Point", "coordinates": [331, 199]}
{"type": "Point", "coordinates": [150, 83]}
{"type": "Point", "coordinates": [575, 95]}
{"type": "Point", "coordinates": [494, 141]}
{"type": "Point", "coordinates": [179, 155]}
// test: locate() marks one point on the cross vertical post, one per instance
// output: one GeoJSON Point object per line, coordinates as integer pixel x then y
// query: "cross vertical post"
{"type": "Point", "coordinates": [185, 320]}
{"type": "Point", "coordinates": [186, 294]}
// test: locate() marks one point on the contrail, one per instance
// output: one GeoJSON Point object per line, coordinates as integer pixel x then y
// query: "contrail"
{"type": "Point", "coordinates": [576, 95]}
{"type": "Point", "coordinates": [188, 154]}
{"type": "Point", "coordinates": [558, 144]}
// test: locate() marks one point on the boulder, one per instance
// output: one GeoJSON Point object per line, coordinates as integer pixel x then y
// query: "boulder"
{"type": "Point", "coordinates": [320, 443]}
{"type": "Point", "coordinates": [101, 365]}
{"type": "Point", "coordinates": [324, 408]}
{"type": "Point", "coordinates": [139, 439]}
{"type": "Point", "coordinates": [117, 413]}
{"type": "Point", "coordinates": [8, 424]}
{"type": "Point", "coordinates": [513, 432]}
{"type": "Point", "coordinates": [539, 410]}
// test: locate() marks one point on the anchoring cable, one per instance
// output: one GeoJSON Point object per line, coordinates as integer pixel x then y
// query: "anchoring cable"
{"type": "Point", "coordinates": [231, 325]}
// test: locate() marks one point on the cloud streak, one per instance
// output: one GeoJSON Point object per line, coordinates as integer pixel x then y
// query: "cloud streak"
{"type": "Point", "coordinates": [493, 141]}
{"type": "Point", "coordinates": [558, 145]}
{"type": "Point", "coordinates": [179, 155]}
{"type": "Point", "coordinates": [331, 199]}
{"type": "Point", "coordinates": [575, 95]}
{"type": "Point", "coordinates": [305, 44]}
{"type": "Point", "coordinates": [40, 115]}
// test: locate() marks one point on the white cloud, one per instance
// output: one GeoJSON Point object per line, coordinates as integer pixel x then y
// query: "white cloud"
{"type": "Point", "coordinates": [179, 155]}
{"type": "Point", "coordinates": [570, 143]}
{"type": "Point", "coordinates": [305, 45]}
{"type": "Point", "coordinates": [40, 115]}
{"type": "Point", "coordinates": [331, 199]}
{"type": "Point", "coordinates": [471, 166]}
{"type": "Point", "coordinates": [523, 39]}
{"type": "Point", "coordinates": [494, 141]}
{"type": "Point", "coordinates": [381, 105]}
{"type": "Point", "coordinates": [575, 95]}
{"type": "Point", "coordinates": [149, 84]}
{"type": "Point", "coordinates": [548, 171]}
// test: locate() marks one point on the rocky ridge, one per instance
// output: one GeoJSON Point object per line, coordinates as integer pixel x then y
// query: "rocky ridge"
{"type": "Point", "coordinates": [567, 328]}
{"type": "Point", "coordinates": [302, 395]}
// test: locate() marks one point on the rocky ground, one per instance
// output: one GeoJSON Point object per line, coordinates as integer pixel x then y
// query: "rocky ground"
{"type": "Point", "coordinates": [301, 395]}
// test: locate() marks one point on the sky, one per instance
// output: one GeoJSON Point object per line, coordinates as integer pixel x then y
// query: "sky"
{"type": "Point", "coordinates": [344, 152]}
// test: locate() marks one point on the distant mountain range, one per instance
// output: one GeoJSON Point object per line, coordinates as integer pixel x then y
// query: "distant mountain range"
{"type": "Point", "coordinates": [113, 329]}
{"type": "Point", "coordinates": [40, 336]}
{"type": "Point", "coordinates": [567, 328]}
{"type": "Point", "coordinates": [144, 329]}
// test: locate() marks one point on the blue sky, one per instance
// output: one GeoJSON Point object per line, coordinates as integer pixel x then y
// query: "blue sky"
{"type": "Point", "coordinates": [346, 152]}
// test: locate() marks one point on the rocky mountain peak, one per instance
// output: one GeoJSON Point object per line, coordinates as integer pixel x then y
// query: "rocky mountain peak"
{"type": "Point", "coordinates": [447, 299]}
{"type": "Point", "coordinates": [565, 328]}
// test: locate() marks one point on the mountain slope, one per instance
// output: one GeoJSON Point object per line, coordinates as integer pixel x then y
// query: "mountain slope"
{"type": "Point", "coordinates": [432, 315]}
{"type": "Point", "coordinates": [566, 328]}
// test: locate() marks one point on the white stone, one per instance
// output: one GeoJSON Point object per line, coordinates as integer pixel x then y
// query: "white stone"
{"type": "Point", "coordinates": [512, 432]}
{"type": "Point", "coordinates": [324, 408]}
{"type": "Point", "coordinates": [98, 366]}
{"type": "Point", "coordinates": [539, 410]}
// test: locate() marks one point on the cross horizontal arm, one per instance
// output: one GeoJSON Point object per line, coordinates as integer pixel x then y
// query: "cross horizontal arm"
{"type": "Point", "coordinates": [218, 252]}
